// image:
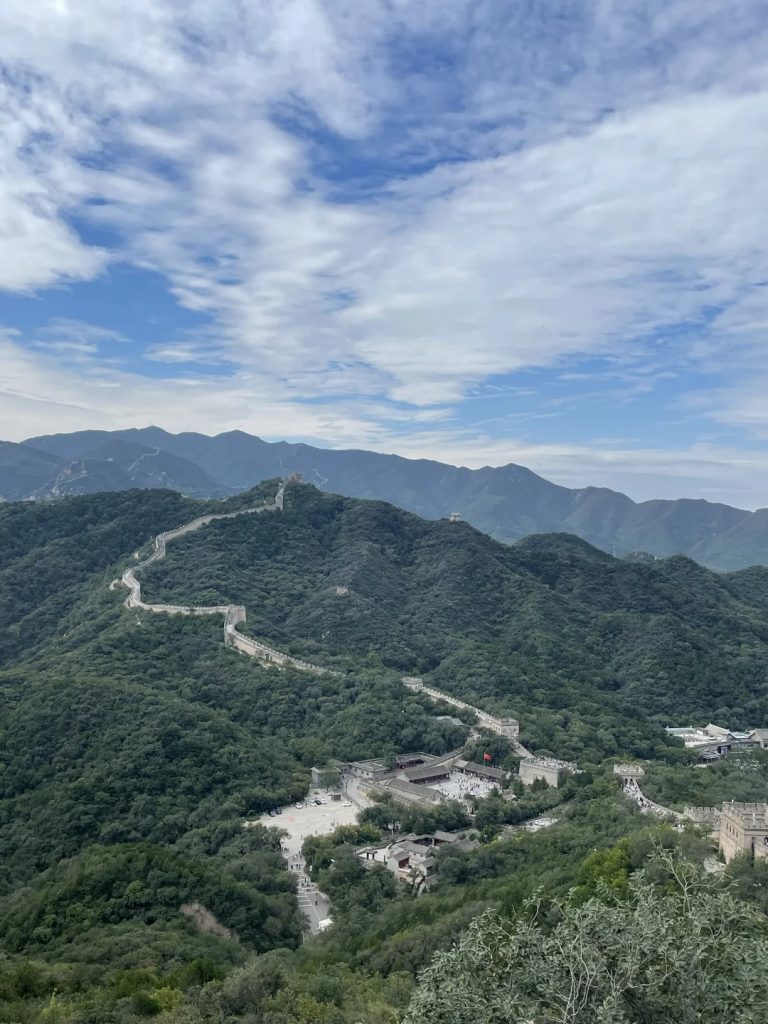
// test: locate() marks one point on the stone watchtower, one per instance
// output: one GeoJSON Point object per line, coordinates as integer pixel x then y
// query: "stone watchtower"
{"type": "Point", "coordinates": [744, 830]}
{"type": "Point", "coordinates": [509, 727]}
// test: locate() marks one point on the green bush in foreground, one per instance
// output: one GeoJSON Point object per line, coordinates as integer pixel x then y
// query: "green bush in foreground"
{"type": "Point", "coordinates": [678, 948]}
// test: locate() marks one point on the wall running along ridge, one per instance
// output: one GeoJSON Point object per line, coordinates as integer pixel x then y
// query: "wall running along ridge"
{"type": "Point", "coordinates": [708, 817]}
{"type": "Point", "coordinates": [507, 727]}
{"type": "Point", "coordinates": [233, 614]}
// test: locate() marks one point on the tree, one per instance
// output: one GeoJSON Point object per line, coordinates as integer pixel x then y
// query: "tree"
{"type": "Point", "coordinates": [674, 953]}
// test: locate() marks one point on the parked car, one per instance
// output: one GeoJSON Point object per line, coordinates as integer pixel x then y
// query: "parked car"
{"type": "Point", "coordinates": [298, 804]}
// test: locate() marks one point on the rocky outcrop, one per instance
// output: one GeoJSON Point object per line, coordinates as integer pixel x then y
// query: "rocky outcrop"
{"type": "Point", "coordinates": [204, 921]}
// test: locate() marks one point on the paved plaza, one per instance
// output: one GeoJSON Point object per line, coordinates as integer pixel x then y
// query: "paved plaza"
{"type": "Point", "coordinates": [307, 820]}
{"type": "Point", "coordinates": [461, 787]}
{"type": "Point", "coordinates": [300, 822]}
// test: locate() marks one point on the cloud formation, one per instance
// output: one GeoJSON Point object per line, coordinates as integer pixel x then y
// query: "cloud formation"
{"type": "Point", "coordinates": [377, 208]}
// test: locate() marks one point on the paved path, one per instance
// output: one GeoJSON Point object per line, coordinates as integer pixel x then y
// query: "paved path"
{"type": "Point", "coordinates": [633, 791]}
{"type": "Point", "coordinates": [298, 823]}
{"type": "Point", "coordinates": [356, 794]}
{"type": "Point", "coordinates": [314, 904]}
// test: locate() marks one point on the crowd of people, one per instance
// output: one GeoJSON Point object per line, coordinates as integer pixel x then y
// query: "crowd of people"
{"type": "Point", "coordinates": [459, 786]}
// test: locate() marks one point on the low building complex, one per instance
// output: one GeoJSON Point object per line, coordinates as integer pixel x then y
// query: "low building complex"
{"type": "Point", "coordinates": [426, 779]}
{"type": "Point", "coordinates": [714, 741]}
{"type": "Point", "coordinates": [411, 858]}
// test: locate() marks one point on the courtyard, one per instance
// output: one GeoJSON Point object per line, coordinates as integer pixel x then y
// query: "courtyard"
{"type": "Point", "coordinates": [459, 786]}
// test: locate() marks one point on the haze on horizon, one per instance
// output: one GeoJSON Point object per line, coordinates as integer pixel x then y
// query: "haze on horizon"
{"type": "Point", "coordinates": [475, 232]}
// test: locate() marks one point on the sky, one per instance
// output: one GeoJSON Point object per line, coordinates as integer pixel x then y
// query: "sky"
{"type": "Point", "coordinates": [471, 230]}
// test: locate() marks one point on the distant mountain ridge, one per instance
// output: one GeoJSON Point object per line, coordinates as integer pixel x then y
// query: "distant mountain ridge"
{"type": "Point", "coordinates": [507, 502]}
{"type": "Point", "coordinates": [111, 464]}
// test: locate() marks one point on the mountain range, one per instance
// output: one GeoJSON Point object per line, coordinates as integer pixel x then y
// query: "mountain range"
{"type": "Point", "coordinates": [507, 502]}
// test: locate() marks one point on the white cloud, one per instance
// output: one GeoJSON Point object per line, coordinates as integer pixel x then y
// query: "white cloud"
{"type": "Point", "coordinates": [610, 184]}
{"type": "Point", "coordinates": [37, 247]}
{"type": "Point", "coordinates": [37, 393]}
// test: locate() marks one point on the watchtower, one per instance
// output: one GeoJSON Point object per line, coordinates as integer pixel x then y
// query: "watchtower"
{"type": "Point", "coordinates": [509, 727]}
{"type": "Point", "coordinates": [744, 830]}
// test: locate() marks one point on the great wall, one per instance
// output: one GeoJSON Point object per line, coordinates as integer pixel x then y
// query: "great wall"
{"type": "Point", "coordinates": [630, 773]}
{"type": "Point", "coordinates": [235, 614]}
{"type": "Point", "coordinates": [507, 727]}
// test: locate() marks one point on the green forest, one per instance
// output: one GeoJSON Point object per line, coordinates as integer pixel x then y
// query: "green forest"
{"type": "Point", "coordinates": [547, 625]}
{"type": "Point", "coordinates": [133, 747]}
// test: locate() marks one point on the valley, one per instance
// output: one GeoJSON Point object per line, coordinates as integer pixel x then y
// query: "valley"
{"type": "Point", "coordinates": [383, 512]}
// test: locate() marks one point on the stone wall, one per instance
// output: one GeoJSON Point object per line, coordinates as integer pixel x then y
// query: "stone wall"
{"type": "Point", "coordinates": [502, 726]}
{"type": "Point", "coordinates": [647, 806]}
{"type": "Point", "coordinates": [233, 614]}
{"type": "Point", "coordinates": [547, 768]}
{"type": "Point", "coordinates": [744, 830]}
{"type": "Point", "coordinates": [703, 815]}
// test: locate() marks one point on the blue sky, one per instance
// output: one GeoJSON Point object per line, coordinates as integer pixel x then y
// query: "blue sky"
{"type": "Point", "coordinates": [477, 231]}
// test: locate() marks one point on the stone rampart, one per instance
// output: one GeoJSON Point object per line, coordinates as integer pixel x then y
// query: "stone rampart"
{"type": "Point", "coordinates": [633, 791]}
{"type": "Point", "coordinates": [233, 614]}
{"type": "Point", "coordinates": [502, 726]}
{"type": "Point", "coordinates": [550, 769]}
{"type": "Point", "coordinates": [703, 815]}
{"type": "Point", "coordinates": [708, 817]}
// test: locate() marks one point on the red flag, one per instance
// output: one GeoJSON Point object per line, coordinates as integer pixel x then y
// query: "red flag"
{"type": "Point", "coordinates": [487, 757]}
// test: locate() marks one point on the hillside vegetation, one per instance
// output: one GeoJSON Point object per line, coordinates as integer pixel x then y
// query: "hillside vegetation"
{"type": "Point", "coordinates": [544, 625]}
{"type": "Point", "coordinates": [507, 502]}
{"type": "Point", "coordinates": [133, 746]}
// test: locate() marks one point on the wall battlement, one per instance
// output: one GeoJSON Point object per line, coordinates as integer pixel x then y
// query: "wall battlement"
{"type": "Point", "coordinates": [744, 830]}
{"type": "Point", "coordinates": [501, 725]}
{"type": "Point", "coordinates": [233, 614]}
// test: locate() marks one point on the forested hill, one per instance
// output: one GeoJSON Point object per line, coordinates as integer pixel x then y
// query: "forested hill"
{"type": "Point", "coordinates": [544, 626]}
{"type": "Point", "coordinates": [133, 746]}
{"type": "Point", "coordinates": [548, 622]}
{"type": "Point", "coordinates": [507, 502]}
